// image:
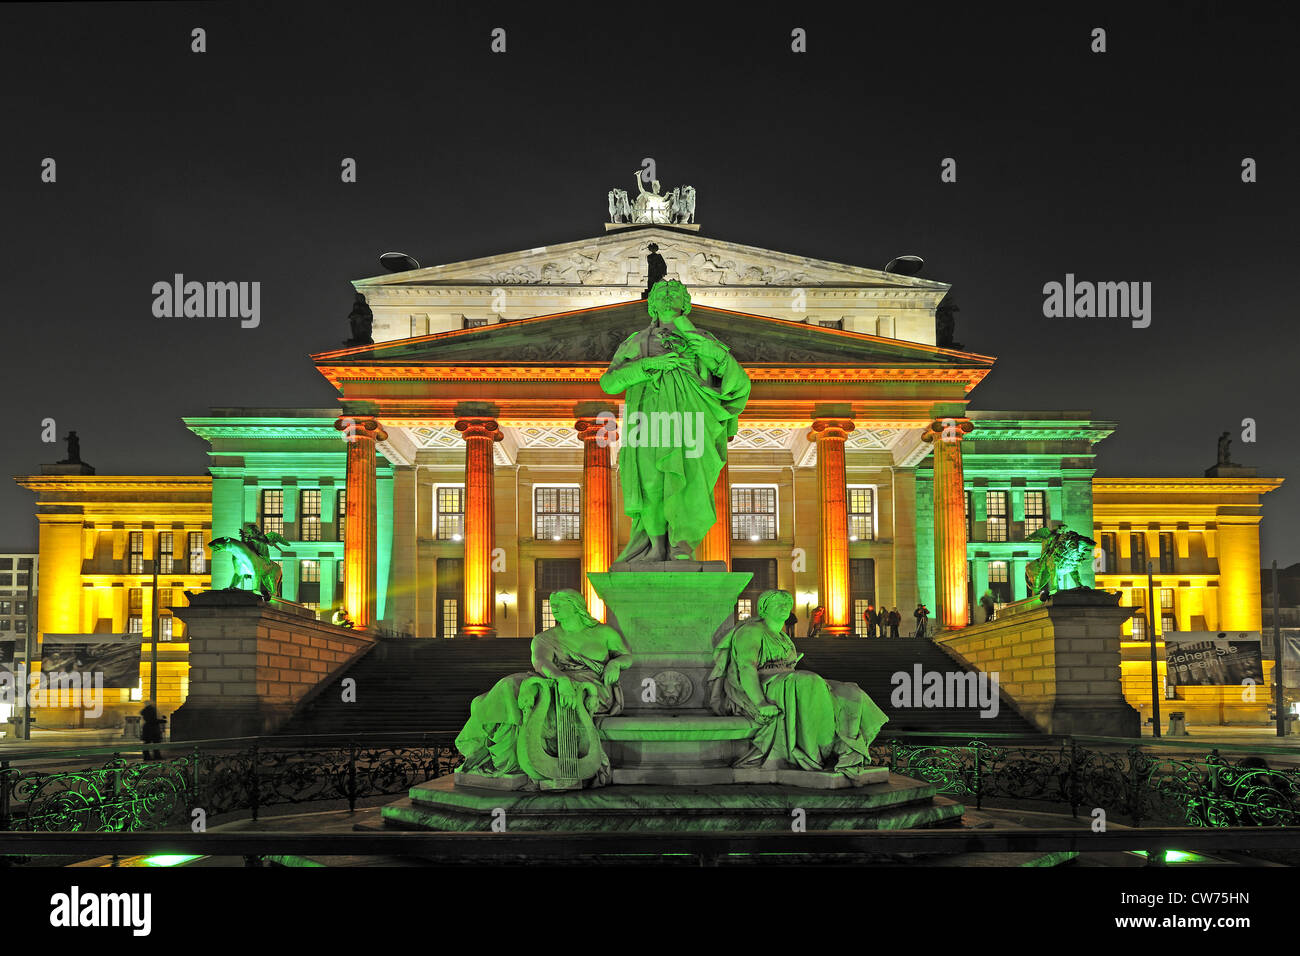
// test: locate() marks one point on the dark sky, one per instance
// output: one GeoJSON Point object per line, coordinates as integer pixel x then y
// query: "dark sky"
{"type": "Point", "coordinates": [1123, 166]}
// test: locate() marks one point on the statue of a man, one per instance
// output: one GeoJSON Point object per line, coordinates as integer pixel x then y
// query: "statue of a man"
{"type": "Point", "coordinates": [685, 393]}
{"type": "Point", "coordinates": [656, 269]}
{"type": "Point", "coordinates": [360, 319]}
{"type": "Point", "coordinates": [1225, 457]}
{"type": "Point", "coordinates": [74, 450]}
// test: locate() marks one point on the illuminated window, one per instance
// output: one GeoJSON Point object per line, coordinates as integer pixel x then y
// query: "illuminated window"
{"type": "Point", "coordinates": [556, 512]}
{"type": "Point", "coordinates": [20, 625]}
{"type": "Point", "coordinates": [753, 513]}
{"type": "Point", "coordinates": [135, 611]}
{"type": "Point", "coordinates": [744, 609]}
{"type": "Point", "coordinates": [862, 502]}
{"type": "Point", "coordinates": [135, 555]}
{"type": "Point", "coordinates": [1139, 620]}
{"type": "Point", "coordinates": [475, 323]}
{"type": "Point", "coordinates": [1168, 618]}
{"type": "Point", "coordinates": [451, 617]}
{"type": "Point", "coordinates": [164, 627]}
{"type": "Point", "coordinates": [1109, 553]}
{"type": "Point", "coordinates": [970, 525]}
{"type": "Point", "coordinates": [340, 513]}
{"type": "Point", "coordinates": [309, 583]}
{"type": "Point", "coordinates": [450, 506]}
{"type": "Point", "coordinates": [273, 510]}
{"type": "Point", "coordinates": [1035, 511]}
{"type": "Point", "coordinates": [995, 504]}
{"type": "Point", "coordinates": [198, 564]}
{"type": "Point", "coordinates": [5, 608]}
{"type": "Point", "coordinates": [166, 552]}
{"type": "Point", "coordinates": [309, 514]}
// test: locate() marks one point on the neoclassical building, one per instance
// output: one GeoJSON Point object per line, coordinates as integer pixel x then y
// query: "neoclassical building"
{"type": "Point", "coordinates": [469, 470]}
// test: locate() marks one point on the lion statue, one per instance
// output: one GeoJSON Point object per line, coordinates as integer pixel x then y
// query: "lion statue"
{"type": "Point", "coordinates": [1057, 568]}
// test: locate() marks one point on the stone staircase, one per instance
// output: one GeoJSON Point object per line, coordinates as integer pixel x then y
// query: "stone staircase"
{"type": "Point", "coordinates": [425, 685]}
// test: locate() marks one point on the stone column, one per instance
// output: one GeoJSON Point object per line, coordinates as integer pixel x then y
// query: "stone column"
{"type": "Point", "coordinates": [716, 545]}
{"type": "Point", "coordinates": [359, 528]}
{"type": "Point", "coordinates": [597, 505]}
{"type": "Point", "coordinates": [480, 522]}
{"type": "Point", "coordinates": [949, 521]}
{"type": "Point", "coordinates": [829, 434]}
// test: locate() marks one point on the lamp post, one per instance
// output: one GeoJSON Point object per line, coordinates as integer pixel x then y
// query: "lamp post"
{"type": "Point", "coordinates": [153, 653]}
{"type": "Point", "coordinates": [1155, 673]}
{"type": "Point", "coordinates": [25, 729]}
{"type": "Point", "coordinates": [1277, 661]}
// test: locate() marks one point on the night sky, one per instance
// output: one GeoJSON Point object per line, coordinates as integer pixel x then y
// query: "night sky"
{"type": "Point", "coordinates": [1122, 166]}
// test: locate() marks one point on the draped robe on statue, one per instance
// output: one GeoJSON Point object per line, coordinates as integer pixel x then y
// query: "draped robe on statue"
{"type": "Point", "coordinates": [489, 740]}
{"type": "Point", "coordinates": [717, 390]}
{"type": "Point", "coordinates": [822, 725]}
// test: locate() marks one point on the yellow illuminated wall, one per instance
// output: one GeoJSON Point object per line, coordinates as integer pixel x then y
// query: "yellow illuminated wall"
{"type": "Point", "coordinates": [85, 524]}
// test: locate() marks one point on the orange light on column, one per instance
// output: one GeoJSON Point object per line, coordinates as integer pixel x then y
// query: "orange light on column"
{"type": "Point", "coordinates": [480, 520]}
{"type": "Point", "coordinates": [950, 585]}
{"type": "Point", "coordinates": [597, 505]}
{"type": "Point", "coordinates": [359, 527]}
{"type": "Point", "coordinates": [716, 545]}
{"type": "Point", "coordinates": [829, 434]}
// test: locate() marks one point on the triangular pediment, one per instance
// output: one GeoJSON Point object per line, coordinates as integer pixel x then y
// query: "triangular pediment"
{"type": "Point", "coordinates": [591, 336]}
{"type": "Point", "coordinates": [694, 259]}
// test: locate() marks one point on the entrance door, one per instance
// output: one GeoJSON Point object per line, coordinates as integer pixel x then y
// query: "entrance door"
{"type": "Point", "coordinates": [764, 579]}
{"type": "Point", "coordinates": [862, 591]}
{"type": "Point", "coordinates": [551, 575]}
{"type": "Point", "coordinates": [450, 591]}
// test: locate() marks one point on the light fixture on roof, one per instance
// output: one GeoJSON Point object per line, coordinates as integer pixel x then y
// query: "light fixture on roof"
{"type": "Point", "coordinates": [398, 262]}
{"type": "Point", "coordinates": [906, 265]}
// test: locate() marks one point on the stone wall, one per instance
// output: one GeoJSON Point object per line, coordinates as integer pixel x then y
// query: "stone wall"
{"type": "Point", "coordinates": [252, 663]}
{"type": "Point", "coordinates": [1059, 662]}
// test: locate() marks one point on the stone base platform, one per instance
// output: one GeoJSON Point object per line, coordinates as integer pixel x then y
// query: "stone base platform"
{"type": "Point", "coordinates": [896, 803]}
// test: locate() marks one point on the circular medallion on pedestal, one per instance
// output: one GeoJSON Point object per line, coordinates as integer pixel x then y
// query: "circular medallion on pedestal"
{"type": "Point", "coordinates": [672, 688]}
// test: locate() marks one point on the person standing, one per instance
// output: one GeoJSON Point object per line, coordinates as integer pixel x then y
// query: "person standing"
{"type": "Point", "coordinates": [895, 619]}
{"type": "Point", "coordinates": [150, 731]}
{"type": "Point", "coordinates": [790, 623]}
{"type": "Point", "coordinates": [870, 617]}
{"type": "Point", "coordinates": [987, 602]}
{"type": "Point", "coordinates": [922, 615]}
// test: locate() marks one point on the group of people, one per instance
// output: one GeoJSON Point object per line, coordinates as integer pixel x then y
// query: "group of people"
{"type": "Point", "coordinates": [876, 620]}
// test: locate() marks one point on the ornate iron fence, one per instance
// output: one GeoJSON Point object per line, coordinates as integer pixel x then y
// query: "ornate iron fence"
{"type": "Point", "coordinates": [217, 779]}
{"type": "Point", "coordinates": [1140, 783]}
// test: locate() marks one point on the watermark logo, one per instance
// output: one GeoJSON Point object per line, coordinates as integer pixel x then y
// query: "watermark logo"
{"type": "Point", "coordinates": [1098, 300]}
{"type": "Point", "coordinates": [654, 430]}
{"type": "Point", "coordinates": [54, 689]}
{"type": "Point", "coordinates": [946, 689]}
{"type": "Point", "coordinates": [208, 300]}
{"type": "Point", "coordinates": [104, 910]}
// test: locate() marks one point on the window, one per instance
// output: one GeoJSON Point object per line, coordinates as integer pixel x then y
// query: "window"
{"type": "Point", "coordinates": [450, 623]}
{"type": "Point", "coordinates": [970, 525]}
{"type": "Point", "coordinates": [995, 504]}
{"type": "Point", "coordinates": [1109, 553]}
{"type": "Point", "coordinates": [165, 614]}
{"type": "Point", "coordinates": [5, 624]}
{"type": "Point", "coordinates": [197, 563]}
{"type": "Point", "coordinates": [551, 575]}
{"type": "Point", "coordinates": [339, 564]}
{"type": "Point", "coordinates": [20, 608]}
{"type": "Point", "coordinates": [1035, 511]}
{"type": "Point", "coordinates": [744, 609]}
{"type": "Point", "coordinates": [762, 573]}
{"type": "Point", "coordinates": [6, 580]}
{"type": "Point", "coordinates": [1139, 620]}
{"type": "Point", "coordinates": [309, 514]}
{"type": "Point", "coordinates": [135, 611]}
{"type": "Point", "coordinates": [556, 512]}
{"type": "Point", "coordinates": [450, 587]}
{"type": "Point", "coordinates": [273, 510]}
{"type": "Point", "coordinates": [309, 583]}
{"type": "Point", "coordinates": [135, 555]}
{"type": "Point", "coordinates": [340, 513]}
{"type": "Point", "coordinates": [831, 323]}
{"type": "Point", "coordinates": [1000, 581]}
{"type": "Point", "coordinates": [1167, 552]}
{"type": "Point", "coordinates": [1137, 561]}
{"type": "Point", "coordinates": [861, 513]}
{"type": "Point", "coordinates": [6, 564]}
{"type": "Point", "coordinates": [753, 513]}
{"type": "Point", "coordinates": [419, 324]}
{"type": "Point", "coordinates": [20, 625]}
{"type": "Point", "coordinates": [862, 591]}
{"type": "Point", "coordinates": [475, 323]}
{"type": "Point", "coordinates": [164, 627]}
{"type": "Point", "coordinates": [450, 506]}
{"type": "Point", "coordinates": [166, 552]}
{"type": "Point", "coordinates": [1168, 618]}
{"type": "Point", "coordinates": [6, 608]}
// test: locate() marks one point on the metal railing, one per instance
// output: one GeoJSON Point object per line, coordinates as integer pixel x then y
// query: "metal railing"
{"type": "Point", "coordinates": [1160, 783]}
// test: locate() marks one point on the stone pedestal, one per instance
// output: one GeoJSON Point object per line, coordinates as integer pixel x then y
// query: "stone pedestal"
{"type": "Point", "coordinates": [252, 663]}
{"type": "Point", "coordinates": [1058, 662]}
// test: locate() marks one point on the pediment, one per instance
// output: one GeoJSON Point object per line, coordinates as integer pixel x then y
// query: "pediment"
{"type": "Point", "coordinates": [606, 260]}
{"type": "Point", "coordinates": [591, 336]}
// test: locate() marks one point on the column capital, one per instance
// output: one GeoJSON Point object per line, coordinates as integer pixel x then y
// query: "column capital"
{"type": "Point", "coordinates": [823, 428]}
{"type": "Point", "coordinates": [363, 427]}
{"type": "Point", "coordinates": [948, 430]}
{"type": "Point", "coordinates": [479, 428]}
{"type": "Point", "coordinates": [603, 431]}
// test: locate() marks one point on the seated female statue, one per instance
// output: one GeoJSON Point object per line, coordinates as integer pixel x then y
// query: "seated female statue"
{"type": "Point", "coordinates": [805, 722]}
